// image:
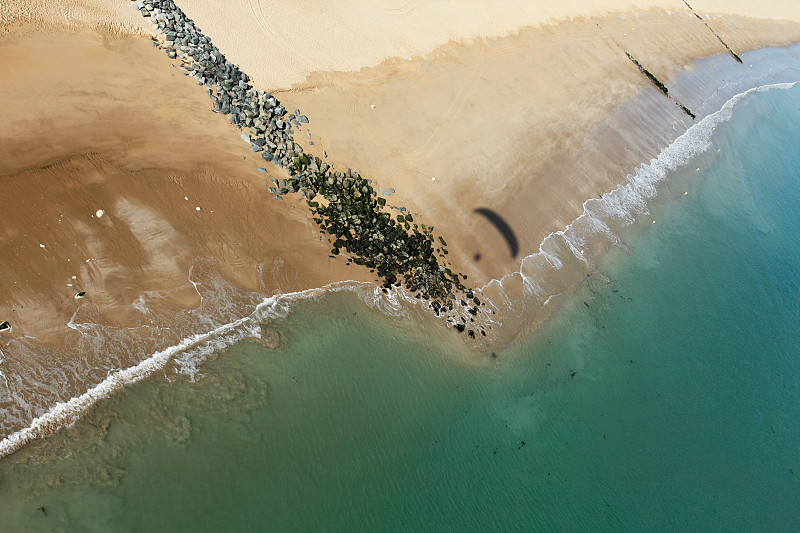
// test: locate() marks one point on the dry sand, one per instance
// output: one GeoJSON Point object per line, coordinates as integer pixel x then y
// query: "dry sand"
{"type": "Point", "coordinates": [279, 45]}
{"type": "Point", "coordinates": [504, 109]}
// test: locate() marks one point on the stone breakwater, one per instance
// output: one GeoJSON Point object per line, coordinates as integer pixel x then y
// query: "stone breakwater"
{"type": "Point", "coordinates": [344, 204]}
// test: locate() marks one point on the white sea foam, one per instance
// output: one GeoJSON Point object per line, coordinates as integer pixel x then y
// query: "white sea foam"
{"type": "Point", "coordinates": [624, 203]}
{"type": "Point", "coordinates": [187, 354]}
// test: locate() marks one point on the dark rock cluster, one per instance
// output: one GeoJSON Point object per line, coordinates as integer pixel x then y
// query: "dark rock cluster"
{"type": "Point", "coordinates": [343, 204]}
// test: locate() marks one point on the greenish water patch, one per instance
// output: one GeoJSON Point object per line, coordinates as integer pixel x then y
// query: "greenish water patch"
{"type": "Point", "coordinates": [664, 396]}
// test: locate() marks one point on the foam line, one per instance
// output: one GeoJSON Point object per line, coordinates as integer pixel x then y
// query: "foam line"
{"type": "Point", "coordinates": [626, 201]}
{"type": "Point", "coordinates": [64, 413]}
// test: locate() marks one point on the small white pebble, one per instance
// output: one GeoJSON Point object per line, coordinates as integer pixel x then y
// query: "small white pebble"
{"type": "Point", "coordinates": [100, 213]}
{"type": "Point", "coordinates": [186, 198]}
{"type": "Point", "coordinates": [197, 208]}
{"type": "Point", "coordinates": [41, 245]}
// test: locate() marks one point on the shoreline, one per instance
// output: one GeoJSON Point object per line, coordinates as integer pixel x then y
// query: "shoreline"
{"type": "Point", "coordinates": [200, 345]}
{"type": "Point", "coordinates": [281, 262]}
{"type": "Point", "coordinates": [568, 257]}
{"type": "Point", "coordinates": [197, 346]}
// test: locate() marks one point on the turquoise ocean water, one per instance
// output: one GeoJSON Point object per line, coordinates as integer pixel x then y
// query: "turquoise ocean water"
{"type": "Point", "coordinates": [664, 396]}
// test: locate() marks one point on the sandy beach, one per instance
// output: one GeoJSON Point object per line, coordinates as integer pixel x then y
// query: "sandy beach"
{"type": "Point", "coordinates": [117, 176]}
{"type": "Point", "coordinates": [511, 123]}
{"type": "Point", "coordinates": [144, 148]}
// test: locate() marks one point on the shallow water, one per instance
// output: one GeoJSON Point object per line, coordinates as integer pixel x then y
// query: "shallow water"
{"type": "Point", "coordinates": [663, 396]}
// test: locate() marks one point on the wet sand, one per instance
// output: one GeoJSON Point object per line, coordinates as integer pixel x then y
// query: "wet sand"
{"type": "Point", "coordinates": [110, 125]}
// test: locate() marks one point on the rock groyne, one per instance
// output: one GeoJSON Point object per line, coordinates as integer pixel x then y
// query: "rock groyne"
{"type": "Point", "coordinates": [345, 205]}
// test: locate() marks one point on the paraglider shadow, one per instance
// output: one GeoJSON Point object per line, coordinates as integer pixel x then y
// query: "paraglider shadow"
{"type": "Point", "coordinates": [503, 227]}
